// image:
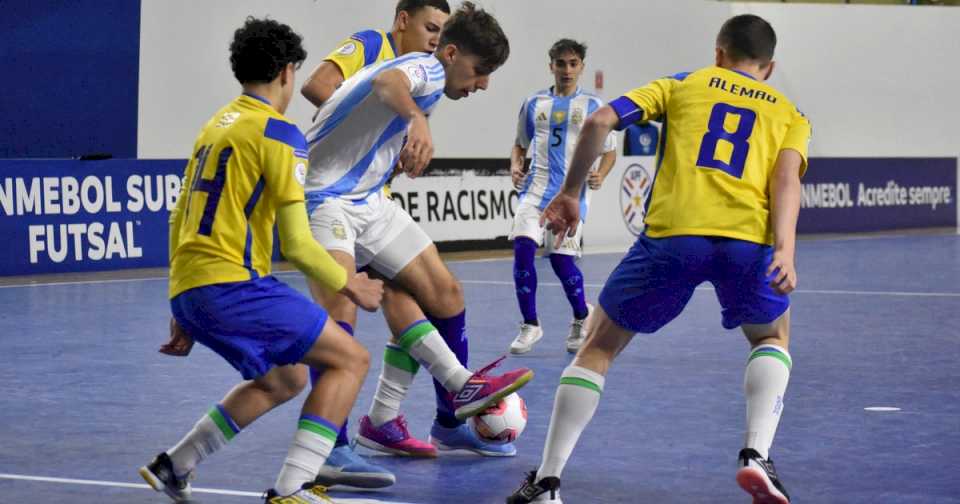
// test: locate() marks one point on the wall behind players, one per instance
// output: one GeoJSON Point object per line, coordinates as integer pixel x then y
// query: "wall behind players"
{"type": "Point", "coordinates": [874, 79]}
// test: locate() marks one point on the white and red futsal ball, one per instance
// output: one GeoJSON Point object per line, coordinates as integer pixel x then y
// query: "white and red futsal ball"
{"type": "Point", "coordinates": [502, 422]}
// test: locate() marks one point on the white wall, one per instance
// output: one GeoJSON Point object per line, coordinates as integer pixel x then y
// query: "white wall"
{"type": "Point", "coordinates": [875, 80]}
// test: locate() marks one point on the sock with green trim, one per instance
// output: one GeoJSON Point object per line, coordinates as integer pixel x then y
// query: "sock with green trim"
{"type": "Point", "coordinates": [311, 446]}
{"type": "Point", "coordinates": [398, 372]}
{"type": "Point", "coordinates": [577, 398]}
{"type": "Point", "coordinates": [422, 342]}
{"type": "Point", "coordinates": [212, 432]}
{"type": "Point", "coordinates": [764, 385]}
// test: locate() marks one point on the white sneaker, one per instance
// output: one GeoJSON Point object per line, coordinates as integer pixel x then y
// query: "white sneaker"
{"type": "Point", "coordinates": [529, 334]}
{"type": "Point", "coordinates": [578, 332]}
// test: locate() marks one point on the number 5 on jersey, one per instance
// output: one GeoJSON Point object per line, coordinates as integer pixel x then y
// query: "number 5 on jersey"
{"type": "Point", "coordinates": [739, 139]}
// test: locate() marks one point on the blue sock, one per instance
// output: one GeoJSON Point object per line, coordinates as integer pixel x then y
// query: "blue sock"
{"type": "Point", "coordinates": [454, 333]}
{"type": "Point", "coordinates": [342, 438]}
{"type": "Point", "coordinates": [525, 277]}
{"type": "Point", "coordinates": [572, 280]}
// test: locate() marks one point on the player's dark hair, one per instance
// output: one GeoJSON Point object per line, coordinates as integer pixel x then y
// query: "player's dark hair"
{"type": "Point", "coordinates": [261, 48]}
{"type": "Point", "coordinates": [477, 32]}
{"type": "Point", "coordinates": [748, 37]}
{"type": "Point", "coordinates": [566, 45]}
{"type": "Point", "coordinates": [412, 6]}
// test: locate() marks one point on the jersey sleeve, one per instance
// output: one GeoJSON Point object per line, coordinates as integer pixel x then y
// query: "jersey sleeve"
{"type": "Point", "coordinates": [646, 102]}
{"type": "Point", "coordinates": [426, 75]}
{"type": "Point", "coordinates": [525, 125]}
{"type": "Point", "coordinates": [356, 52]}
{"type": "Point", "coordinates": [284, 161]}
{"type": "Point", "coordinates": [798, 138]}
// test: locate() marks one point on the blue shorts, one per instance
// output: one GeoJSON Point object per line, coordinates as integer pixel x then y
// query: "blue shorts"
{"type": "Point", "coordinates": [657, 277]}
{"type": "Point", "coordinates": [254, 325]}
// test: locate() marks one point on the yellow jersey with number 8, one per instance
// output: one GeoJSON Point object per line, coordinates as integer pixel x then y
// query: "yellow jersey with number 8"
{"type": "Point", "coordinates": [722, 133]}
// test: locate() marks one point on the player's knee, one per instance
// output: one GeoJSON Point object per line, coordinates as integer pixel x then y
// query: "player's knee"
{"type": "Point", "coordinates": [356, 359]}
{"type": "Point", "coordinates": [449, 291]}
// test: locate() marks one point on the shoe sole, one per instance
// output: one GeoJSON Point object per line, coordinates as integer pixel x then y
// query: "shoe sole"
{"type": "Point", "coordinates": [158, 485]}
{"type": "Point", "coordinates": [375, 446]}
{"type": "Point", "coordinates": [755, 482]}
{"type": "Point", "coordinates": [473, 409]}
{"type": "Point", "coordinates": [358, 480]}
{"type": "Point", "coordinates": [442, 447]}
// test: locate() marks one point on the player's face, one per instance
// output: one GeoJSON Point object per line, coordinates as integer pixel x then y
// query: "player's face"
{"type": "Point", "coordinates": [567, 68]}
{"type": "Point", "coordinates": [465, 73]}
{"type": "Point", "coordinates": [421, 30]}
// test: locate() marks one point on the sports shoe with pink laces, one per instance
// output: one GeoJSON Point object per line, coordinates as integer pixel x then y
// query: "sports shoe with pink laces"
{"type": "Point", "coordinates": [483, 391]}
{"type": "Point", "coordinates": [394, 438]}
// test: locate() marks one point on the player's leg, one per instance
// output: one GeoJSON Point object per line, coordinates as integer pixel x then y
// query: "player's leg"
{"type": "Point", "coordinates": [526, 235]}
{"type": "Point", "coordinates": [384, 428]}
{"type": "Point", "coordinates": [748, 301]}
{"type": "Point", "coordinates": [345, 363]}
{"type": "Point", "coordinates": [649, 287]}
{"type": "Point", "coordinates": [563, 259]}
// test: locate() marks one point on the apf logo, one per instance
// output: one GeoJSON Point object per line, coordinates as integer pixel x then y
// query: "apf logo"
{"type": "Point", "coordinates": [635, 186]}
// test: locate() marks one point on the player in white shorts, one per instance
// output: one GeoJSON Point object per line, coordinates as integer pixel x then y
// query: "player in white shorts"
{"type": "Point", "coordinates": [375, 121]}
{"type": "Point", "coordinates": [548, 128]}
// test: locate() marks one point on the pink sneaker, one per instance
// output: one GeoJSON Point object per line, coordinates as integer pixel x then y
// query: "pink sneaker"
{"type": "Point", "coordinates": [482, 391]}
{"type": "Point", "coordinates": [394, 438]}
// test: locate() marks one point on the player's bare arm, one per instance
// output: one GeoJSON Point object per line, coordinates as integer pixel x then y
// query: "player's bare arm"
{"type": "Point", "coordinates": [322, 82]}
{"type": "Point", "coordinates": [596, 178]}
{"type": "Point", "coordinates": [562, 215]}
{"type": "Point", "coordinates": [785, 208]}
{"type": "Point", "coordinates": [313, 260]}
{"type": "Point", "coordinates": [518, 169]}
{"type": "Point", "coordinates": [393, 89]}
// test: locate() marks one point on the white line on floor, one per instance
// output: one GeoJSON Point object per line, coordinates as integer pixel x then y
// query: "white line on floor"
{"type": "Point", "coordinates": [217, 491]}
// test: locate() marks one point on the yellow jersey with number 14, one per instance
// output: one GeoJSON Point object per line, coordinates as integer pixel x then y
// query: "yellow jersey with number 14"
{"type": "Point", "coordinates": [722, 133]}
{"type": "Point", "coordinates": [248, 161]}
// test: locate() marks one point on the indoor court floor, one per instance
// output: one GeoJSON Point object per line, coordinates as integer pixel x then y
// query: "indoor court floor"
{"type": "Point", "coordinates": [872, 413]}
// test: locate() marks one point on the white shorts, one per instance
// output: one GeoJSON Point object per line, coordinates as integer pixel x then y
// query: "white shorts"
{"type": "Point", "coordinates": [376, 231]}
{"type": "Point", "coordinates": [527, 223]}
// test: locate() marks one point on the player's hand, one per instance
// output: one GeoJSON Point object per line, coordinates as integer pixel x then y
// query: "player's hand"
{"type": "Point", "coordinates": [562, 216]}
{"type": "Point", "coordinates": [418, 151]}
{"type": "Point", "coordinates": [180, 342]}
{"type": "Point", "coordinates": [594, 180]}
{"type": "Point", "coordinates": [364, 291]}
{"type": "Point", "coordinates": [783, 271]}
{"type": "Point", "coordinates": [517, 174]}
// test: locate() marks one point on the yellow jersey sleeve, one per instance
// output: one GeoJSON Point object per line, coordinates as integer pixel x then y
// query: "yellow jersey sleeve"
{"type": "Point", "coordinates": [652, 99]}
{"type": "Point", "coordinates": [284, 162]}
{"type": "Point", "coordinates": [798, 138]}
{"type": "Point", "coordinates": [361, 49]}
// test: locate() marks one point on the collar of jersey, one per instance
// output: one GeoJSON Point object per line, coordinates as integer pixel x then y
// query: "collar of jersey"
{"type": "Point", "coordinates": [258, 98]}
{"type": "Point", "coordinates": [745, 74]}
{"type": "Point", "coordinates": [575, 93]}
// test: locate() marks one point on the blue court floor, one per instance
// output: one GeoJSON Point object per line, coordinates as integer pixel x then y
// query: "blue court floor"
{"type": "Point", "coordinates": [87, 397]}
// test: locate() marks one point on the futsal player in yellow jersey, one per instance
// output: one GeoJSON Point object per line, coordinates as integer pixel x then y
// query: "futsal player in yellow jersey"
{"type": "Point", "coordinates": [246, 173]}
{"type": "Point", "coordinates": [723, 210]}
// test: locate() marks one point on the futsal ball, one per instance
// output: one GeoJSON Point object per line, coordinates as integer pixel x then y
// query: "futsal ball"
{"type": "Point", "coordinates": [503, 422]}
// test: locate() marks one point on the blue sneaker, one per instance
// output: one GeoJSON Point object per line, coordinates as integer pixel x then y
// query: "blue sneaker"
{"type": "Point", "coordinates": [463, 438]}
{"type": "Point", "coordinates": [345, 467]}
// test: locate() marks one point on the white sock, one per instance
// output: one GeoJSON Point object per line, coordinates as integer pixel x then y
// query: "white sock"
{"type": "Point", "coordinates": [764, 384]}
{"type": "Point", "coordinates": [424, 343]}
{"type": "Point", "coordinates": [398, 372]}
{"type": "Point", "coordinates": [311, 446]}
{"type": "Point", "coordinates": [577, 398]}
{"type": "Point", "coordinates": [212, 432]}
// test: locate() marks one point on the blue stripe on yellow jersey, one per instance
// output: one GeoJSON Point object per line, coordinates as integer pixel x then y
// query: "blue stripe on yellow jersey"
{"type": "Point", "coordinates": [362, 49]}
{"type": "Point", "coordinates": [249, 160]}
{"type": "Point", "coordinates": [722, 134]}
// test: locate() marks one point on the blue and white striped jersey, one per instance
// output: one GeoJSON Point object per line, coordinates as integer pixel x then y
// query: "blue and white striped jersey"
{"type": "Point", "coordinates": [548, 128]}
{"type": "Point", "coordinates": [356, 139]}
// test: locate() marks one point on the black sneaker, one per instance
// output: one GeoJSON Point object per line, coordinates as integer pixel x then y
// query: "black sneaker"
{"type": "Point", "coordinates": [545, 490]}
{"type": "Point", "coordinates": [758, 478]}
{"type": "Point", "coordinates": [159, 475]}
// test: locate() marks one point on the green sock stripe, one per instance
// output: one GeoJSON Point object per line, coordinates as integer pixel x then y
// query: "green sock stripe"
{"type": "Point", "coordinates": [396, 357]}
{"type": "Point", "coordinates": [414, 334]}
{"type": "Point", "coordinates": [580, 382]}
{"type": "Point", "coordinates": [318, 429]}
{"type": "Point", "coordinates": [769, 352]}
{"type": "Point", "coordinates": [222, 423]}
